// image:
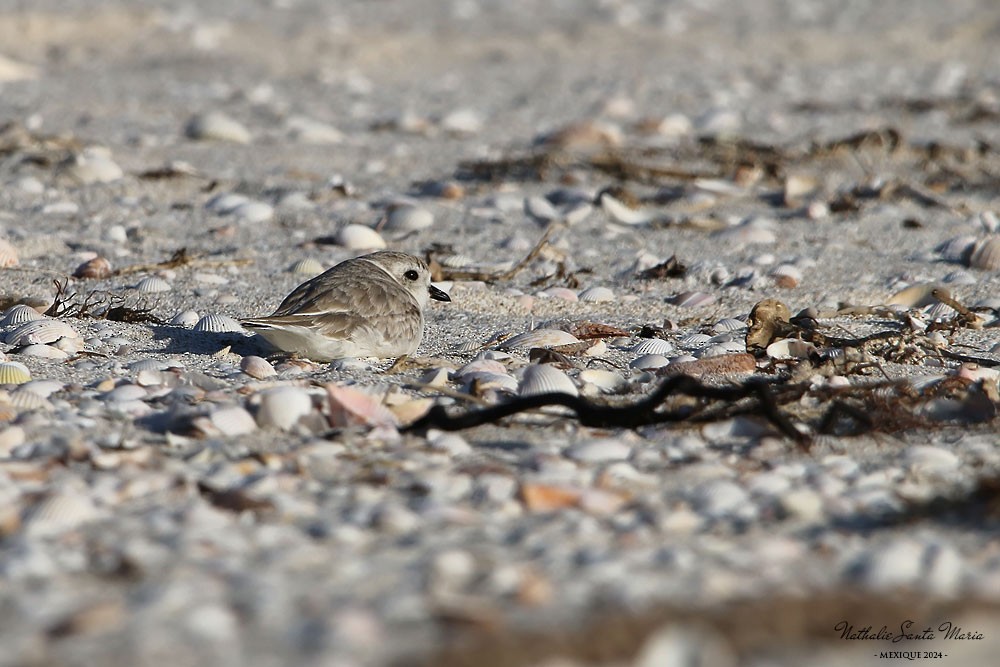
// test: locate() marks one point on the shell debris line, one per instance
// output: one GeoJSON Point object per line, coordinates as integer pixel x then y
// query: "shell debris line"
{"type": "Point", "coordinates": [720, 361]}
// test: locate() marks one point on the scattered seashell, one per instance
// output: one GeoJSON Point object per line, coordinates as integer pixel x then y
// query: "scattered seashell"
{"type": "Point", "coordinates": [42, 331]}
{"type": "Point", "coordinates": [185, 318]}
{"type": "Point", "coordinates": [253, 212]}
{"type": "Point", "coordinates": [97, 268]}
{"type": "Point", "coordinates": [307, 266]}
{"type": "Point", "coordinates": [309, 131]}
{"type": "Point", "coordinates": [750, 231]}
{"type": "Point", "coordinates": [43, 388]}
{"type": "Point", "coordinates": [225, 203]}
{"type": "Point", "coordinates": [19, 314]}
{"type": "Point", "coordinates": [462, 122]}
{"type": "Point", "coordinates": [282, 407]}
{"type": "Point", "coordinates": [730, 324]}
{"type": "Point", "coordinates": [233, 420]}
{"type": "Point", "coordinates": [986, 254]}
{"type": "Point", "coordinates": [695, 340]}
{"type": "Point", "coordinates": [8, 255]}
{"type": "Point", "coordinates": [692, 299]}
{"type": "Point", "coordinates": [622, 213]}
{"type": "Point", "coordinates": [43, 352]}
{"type": "Point", "coordinates": [653, 346]}
{"type": "Point", "coordinates": [540, 210]}
{"type": "Point", "coordinates": [359, 237]}
{"type": "Point", "coordinates": [153, 284]}
{"type": "Point", "coordinates": [477, 383]}
{"type": "Point", "coordinates": [563, 293]}
{"type": "Point", "coordinates": [582, 137]}
{"type": "Point", "coordinates": [257, 367]}
{"type": "Point", "coordinates": [215, 125]}
{"type": "Point", "coordinates": [59, 513]}
{"type": "Point", "coordinates": [545, 379]}
{"type": "Point", "coordinates": [435, 377]}
{"type": "Point", "coordinates": [648, 361]}
{"type": "Point", "coordinates": [539, 338]}
{"type": "Point", "coordinates": [215, 323]}
{"type": "Point", "coordinates": [599, 451]}
{"type": "Point", "coordinates": [596, 295]}
{"type": "Point", "coordinates": [407, 218]}
{"type": "Point", "coordinates": [442, 189]}
{"type": "Point", "coordinates": [786, 276]}
{"type": "Point", "coordinates": [957, 249]}
{"type": "Point", "coordinates": [605, 381]}
{"type": "Point", "coordinates": [790, 348]}
{"type": "Point", "coordinates": [353, 407]}
{"type": "Point", "coordinates": [92, 165]}
{"type": "Point", "coordinates": [12, 372]}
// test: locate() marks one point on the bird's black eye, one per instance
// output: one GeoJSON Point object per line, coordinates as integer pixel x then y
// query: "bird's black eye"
{"type": "Point", "coordinates": [411, 275]}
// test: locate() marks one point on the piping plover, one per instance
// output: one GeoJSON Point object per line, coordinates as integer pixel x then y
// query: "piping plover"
{"type": "Point", "coordinates": [369, 306]}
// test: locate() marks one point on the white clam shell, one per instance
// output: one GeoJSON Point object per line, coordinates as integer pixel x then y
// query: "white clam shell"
{"type": "Point", "coordinates": [215, 323]}
{"type": "Point", "coordinates": [596, 294]}
{"type": "Point", "coordinates": [185, 318]}
{"type": "Point", "coordinates": [957, 249]}
{"type": "Point", "coordinates": [43, 388]}
{"type": "Point", "coordinates": [257, 367]}
{"type": "Point", "coordinates": [42, 331]}
{"type": "Point", "coordinates": [254, 211]}
{"type": "Point", "coordinates": [790, 348]}
{"type": "Point", "coordinates": [309, 131]}
{"type": "Point", "coordinates": [605, 381]}
{"type": "Point", "coordinates": [359, 237]}
{"type": "Point", "coordinates": [653, 346]}
{"type": "Point", "coordinates": [233, 420]}
{"type": "Point", "coordinates": [623, 214]}
{"type": "Point", "coordinates": [153, 284]}
{"type": "Point", "coordinates": [752, 231]}
{"type": "Point", "coordinates": [307, 266]}
{"type": "Point", "coordinates": [540, 209]}
{"type": "Point", "coordinates": [43, 352]}
{"type": "Point", "coordinates": [724, 347]}
{"type": "Point", "coordinates": [484, 380]}
{"type": "Point", "coordinates": [92, 167]}
{"type": "Point", "coordinates": [408, 218]}
{"type": "Point", "coordinates": [986, 254]}
{"type": "Point", "coordinates": [12, 372]}
{"type": "Point", "coordinates": [540, 338]}
{"type": "Point", "coordinates": [693, 299]}
{"type": "Point", "coordinates": [148, 365]}
{"type": "Point", "coordinates": [218, 126]}
{"type": "Point", "coordinates": [282, 407]}
{"type": "Point", "coordinates": [19, 314]}
{"type": "Point", "coordinates": [226, 202]}
{"type": "Point", "coordinates": [480, 366]}
{"type": "Point", "coordinates": [648, 361]}
{"type": "Point", "coordinates": [545, 379]}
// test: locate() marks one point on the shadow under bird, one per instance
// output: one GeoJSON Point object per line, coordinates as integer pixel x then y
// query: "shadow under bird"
{"type": "Point", "coordinates": [368, 306]}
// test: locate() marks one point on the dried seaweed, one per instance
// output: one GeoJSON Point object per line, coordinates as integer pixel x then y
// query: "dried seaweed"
{"type": "Point", "coordinates": [99, 304]}
{"type": "Point", "coordinates": [181, 258]}
{"type": "Point", "coordinates": [439, 272]}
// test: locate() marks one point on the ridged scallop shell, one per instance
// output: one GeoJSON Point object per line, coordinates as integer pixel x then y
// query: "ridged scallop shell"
{"type": "Point", "coordinates": [28, 400]}
{"type": "Point", "coordinates": [257, 367]}
{"type": "Point", "coordinates": [59, 513]}
{"type": "Point", "coordinates": [729, 324]}
{"type": "Point", "coordinates": [359, 237]}
{"type": "Point", "coordinates": [653, 346]}
{"type": "Point", "coordinates": [649, 361]}
{"type": "Point", "coordinates": [986, 255]}
{"type": "Point", "coordinates": [484, 380]}
{"type": "Point", "coordinates": [148, 365]}
{"type": "Point", "coordinates": [957, 249]}
{"type": "Point", "coordinates": [96, 268]}
{"type": "Point", "coordinates": [185, 318]}
{"type": "Point", "coordinates": [214, 323]}
{"type": "Point", "coordinates": [692, 299]}
{"type": "Point", "coordinates": [12, 372]}
{"type": "Point", "coordinates": [407, 218]}
{"type": "Point", "coordinates": [307, 266]}
{"type": "Point", "coordinates": [596, 295]}
{"type": "Point", "coordinates": [153, 284]}
{"type": "Point", "coordinates": [43, 388]}
{"type": "Point", "coordinates": [480, 366]}
{"type": "Point", "coordinates": [42, 331]}
{"type": "Point", "coordinates": [721, 348]}
{"type": "Point", "coordinates": [539, 338]}
{"type": "Point", "coordinates": [695, 340]}
{"type": "Point", "coordinates": [19, 314]}
{"type": "Point", "coordinates": [8, 255]}
{"type": "Point", "coordinates": [545, 379]}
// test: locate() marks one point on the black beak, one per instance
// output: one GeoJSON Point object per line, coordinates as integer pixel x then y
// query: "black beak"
{"type": "Point", "coordinates": [437, 294]}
